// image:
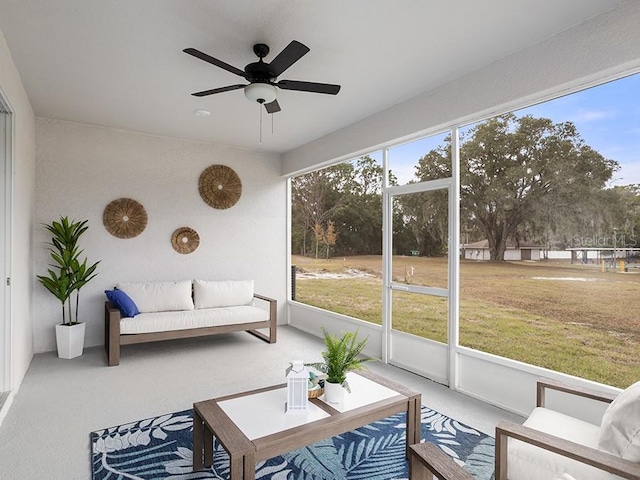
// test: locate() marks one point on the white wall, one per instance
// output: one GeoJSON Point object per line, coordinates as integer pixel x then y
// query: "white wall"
{"type": "Point", "coordinates": [81, 168]}
{"type": "Point", "coordinates": [599, 47]}
{"type": "Point", "coordinates": [22, 271]}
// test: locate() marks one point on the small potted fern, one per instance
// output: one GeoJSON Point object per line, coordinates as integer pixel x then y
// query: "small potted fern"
{"type": "Point", "coordinates": [342, 355]}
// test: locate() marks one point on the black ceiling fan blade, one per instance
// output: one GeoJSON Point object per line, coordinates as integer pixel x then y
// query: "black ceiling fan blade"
{"type": "Point", "coordinates": [309, 86]}
{"type": "Point", "coordinates": [214, 61]}
{"type": "Point", "coordinates": [228, 88]}
{"type": "Point", "coordinates": [273, 107]}
{"type": "Point", "coordinates": [287, 57]}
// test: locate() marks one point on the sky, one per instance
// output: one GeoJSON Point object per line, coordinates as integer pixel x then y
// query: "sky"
{"type": "Point", "coordinates": [606, 116]}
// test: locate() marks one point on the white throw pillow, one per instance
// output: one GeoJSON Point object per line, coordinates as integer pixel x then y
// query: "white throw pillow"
{"type": "Point", "coordinates": [159, 296]}
{"type": "Point", "coordinates": [620, 427]}
{"type": "Point", "coordinates": [227, 293]}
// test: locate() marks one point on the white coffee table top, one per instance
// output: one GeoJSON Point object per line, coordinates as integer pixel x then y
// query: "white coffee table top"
{"type": "Point", "coordinates": [263, 413]}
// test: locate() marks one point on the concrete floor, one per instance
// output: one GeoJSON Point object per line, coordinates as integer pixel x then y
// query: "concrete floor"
{"type": "Point", "coordinates": [45, 434]}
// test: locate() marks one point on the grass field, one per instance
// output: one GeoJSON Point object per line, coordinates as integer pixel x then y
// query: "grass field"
{"type": "Point", "coordinates": [570, 318]}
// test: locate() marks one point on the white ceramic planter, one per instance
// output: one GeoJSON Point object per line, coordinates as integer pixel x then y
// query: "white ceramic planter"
{"type": "Point", "coordinates": [334, 393]}
{"type": "Point", "coordinates": [70, 340]}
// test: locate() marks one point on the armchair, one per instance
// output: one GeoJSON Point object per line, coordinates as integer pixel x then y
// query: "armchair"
{"type": "Point", "coordinates": [551, 445]}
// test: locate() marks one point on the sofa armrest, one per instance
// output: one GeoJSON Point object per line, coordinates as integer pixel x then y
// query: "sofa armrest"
{"type": "Point", "coordinates": [427, 460]}
{"type": "Point", "coordinates": [273, 319]}
{"type": "Point", "coordinates": [545, 384]}
{"type": "Point", "coordinates": [590, 456]}
{"type": "Point", "coordinates": [112, 333]}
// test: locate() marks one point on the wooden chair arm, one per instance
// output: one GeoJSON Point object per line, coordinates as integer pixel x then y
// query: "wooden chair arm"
{"type": "Point", "coordinates": [262, 297]}
{"type": "Point", "coordinates": [590, 456]}
{"type": "Point", "coordinates": [545, 384]}
{"type": "Point", "coordinates": [426, 456]}
{"type": "Point", "coordinates": [273, 320]}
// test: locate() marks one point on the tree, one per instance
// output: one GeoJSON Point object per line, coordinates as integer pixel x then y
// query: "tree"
{"type": "Point", "coordinates": [517, 171]}
{"type": "Point", "coordinates": [330, 236]}
{"type": "Point", "coordinates": [360, 221]}
{"type": "Point", "coordinates": [348, 195]}
{"type": "Point", "coordinates": [316, 197]}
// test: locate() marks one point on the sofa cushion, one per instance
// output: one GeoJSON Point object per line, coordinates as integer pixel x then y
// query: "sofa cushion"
{"type": "Point", "coordinates": [620, 427]}
{"type": "Point", "coordinates": [123, 302]}
{"type": "Point", "coordinates": [227, 293]}
{"type": "Point", "coordinates": [170, 321]}
{"type": "Point", "coordinates": [159, 296]}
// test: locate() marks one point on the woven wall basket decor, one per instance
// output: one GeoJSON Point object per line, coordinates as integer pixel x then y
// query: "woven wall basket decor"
{"type": "Point", "coordinates": [219, 186]}
{"type": "Point", "coordinates": [185, 240]}
{"type": "Point", "coordinates": [124, 218]}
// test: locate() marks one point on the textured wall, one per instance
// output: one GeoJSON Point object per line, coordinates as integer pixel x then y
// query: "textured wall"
{"type": "Point", "coordinates": [80, 169]}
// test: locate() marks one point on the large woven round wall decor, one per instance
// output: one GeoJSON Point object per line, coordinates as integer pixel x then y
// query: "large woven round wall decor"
{"type": "Point", "coordinates": [219, 186]}
{"type": "Point", "coordinates": [185, 240]}
{"type": "Point", "coordinates": [124, 218]}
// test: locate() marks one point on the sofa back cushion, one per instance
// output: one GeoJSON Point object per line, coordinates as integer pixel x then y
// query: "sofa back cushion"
{"type": "Point", "coordinates": [227, 293]}
{"type": "Point", "coordinates": [159, 296]}
{"type": "Point", "coordinates": [620, 427]}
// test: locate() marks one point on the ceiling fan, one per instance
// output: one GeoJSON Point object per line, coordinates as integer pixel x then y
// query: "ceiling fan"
{"type": "Point", "coordinates": [262, 76]}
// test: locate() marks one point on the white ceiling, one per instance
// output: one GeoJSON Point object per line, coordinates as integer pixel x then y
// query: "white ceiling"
{"type": "Point", "coordinates": [119, 63]}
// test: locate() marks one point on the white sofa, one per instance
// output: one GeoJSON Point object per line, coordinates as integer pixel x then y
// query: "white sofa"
{"type": "Point", "coordinates": [155, 311]}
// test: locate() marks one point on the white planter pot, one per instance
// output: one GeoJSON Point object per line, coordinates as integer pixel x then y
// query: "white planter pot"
{"type": "Point", "coordinates": [333, 393]}
{"type": "Point", "coordinates": [70, 340]}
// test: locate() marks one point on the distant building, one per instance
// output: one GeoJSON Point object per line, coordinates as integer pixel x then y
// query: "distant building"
{"type": "Point", "coordinates": [480, 251]}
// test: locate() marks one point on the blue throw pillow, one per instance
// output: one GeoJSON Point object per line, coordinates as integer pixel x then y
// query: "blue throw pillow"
{"type": "Point", "coordinates": [124, 303]}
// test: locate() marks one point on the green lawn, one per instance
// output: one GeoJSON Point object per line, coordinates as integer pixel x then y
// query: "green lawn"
{"type": "Point", "coordinates": [569, 318]}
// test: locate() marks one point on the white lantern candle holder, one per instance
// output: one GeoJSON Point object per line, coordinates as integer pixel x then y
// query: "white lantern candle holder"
{"type": "Point", "coordinates": [297, 377]}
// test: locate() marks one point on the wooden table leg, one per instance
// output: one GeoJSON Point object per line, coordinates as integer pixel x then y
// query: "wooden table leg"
{"type": "Point", "coordinates": [249, 467]}
{"type": "Point", "coordinates": [418, 419]}
{"type": "Point", "coordinates": [198, 432]}
{"type": "Point", "coordinates": [414, 421]}
{"type": "Point", "coordinates": [236, 463]}
{"type": "Point", "coordinates": [208, 447]}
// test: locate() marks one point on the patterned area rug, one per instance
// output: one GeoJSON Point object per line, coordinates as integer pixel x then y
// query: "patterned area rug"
{"type": "Point", "coordinates": [161, 448]}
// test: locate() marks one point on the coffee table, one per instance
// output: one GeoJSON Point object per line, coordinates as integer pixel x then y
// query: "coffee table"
{"type": "Point", "coordinates": [253, 426]}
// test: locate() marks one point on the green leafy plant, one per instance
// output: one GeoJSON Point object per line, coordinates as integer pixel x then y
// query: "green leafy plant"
{"type": "Point", "coordinates": [342, 355]}
{"type": "Point", "coordinates": [67, 274]}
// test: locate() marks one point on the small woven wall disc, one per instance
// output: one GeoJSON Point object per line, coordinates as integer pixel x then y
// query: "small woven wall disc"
{"type": "Point", "coordinates": [185, 240]}
{"type": "Point", "coordinates": [219, 186]}
{"type": "Point", "coordinates": [124, 218]}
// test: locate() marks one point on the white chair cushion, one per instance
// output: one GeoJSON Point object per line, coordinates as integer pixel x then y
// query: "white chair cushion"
{"type": "Point", "coordinates": [620, 427]}
{"type": "Point", "coordinates": [169, 321]}
{"type": "Point", "coordinates": [159, 296]}
{"type": "Point", "coordinates": [228, 293]}
{"type": "Point", "coordinates": [528, 462]}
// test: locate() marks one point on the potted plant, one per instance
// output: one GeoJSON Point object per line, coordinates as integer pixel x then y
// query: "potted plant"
{"type": "Point", "coordinates": [342, 355]}
{"type": "Point", "coordinates": [67, 274]}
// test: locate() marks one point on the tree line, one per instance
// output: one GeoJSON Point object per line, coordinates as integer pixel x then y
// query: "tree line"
{"type": "Point", "coordinates": [523, 179]}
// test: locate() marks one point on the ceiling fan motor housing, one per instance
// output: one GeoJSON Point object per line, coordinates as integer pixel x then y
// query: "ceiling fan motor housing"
{"type": "Point", "coordinates": [261, 76]}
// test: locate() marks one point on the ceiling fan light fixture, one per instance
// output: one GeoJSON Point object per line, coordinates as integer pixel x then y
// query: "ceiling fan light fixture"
{"type": "Point", "coordinates": [260, 92]}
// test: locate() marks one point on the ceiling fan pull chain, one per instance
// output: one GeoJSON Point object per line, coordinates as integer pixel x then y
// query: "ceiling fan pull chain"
{"type": "Point", "coordinates": [271, 123]}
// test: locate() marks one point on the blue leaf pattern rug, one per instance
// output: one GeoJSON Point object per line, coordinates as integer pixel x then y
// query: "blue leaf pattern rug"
{"type": "Point", "coordinates": [161, 448]}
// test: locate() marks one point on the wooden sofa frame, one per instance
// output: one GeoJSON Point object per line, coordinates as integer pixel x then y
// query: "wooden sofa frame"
{"type": "Point", "coordinates": [113, 339]}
